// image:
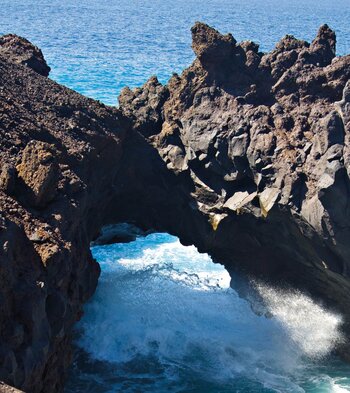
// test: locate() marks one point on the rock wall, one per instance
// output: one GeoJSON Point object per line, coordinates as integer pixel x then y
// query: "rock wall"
{"type": "Point", "coordinates": [59, 152]}
{"type": "Point", "coordinates": [260, 145]}
{"type": "Point", "coordinates": [245, 155]}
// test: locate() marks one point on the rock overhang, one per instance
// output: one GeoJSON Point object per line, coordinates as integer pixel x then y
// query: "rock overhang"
{"type": "Point", "coordinates": [246, 157]}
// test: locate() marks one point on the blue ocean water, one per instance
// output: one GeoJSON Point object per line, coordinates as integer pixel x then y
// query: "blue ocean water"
{"type": "Point", "coordinates": [164, 318]}
{"type": "Point", "coordinates": [99, 46]}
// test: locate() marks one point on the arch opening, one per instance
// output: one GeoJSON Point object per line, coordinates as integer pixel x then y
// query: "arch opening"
{"type": "Point", "coordinates": [165, 318]}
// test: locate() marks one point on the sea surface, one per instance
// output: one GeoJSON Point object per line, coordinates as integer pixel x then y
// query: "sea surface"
{"type": "Point", "coordinates": [164, 318]}
{"type": "Point", "coordinates": [99, 46]}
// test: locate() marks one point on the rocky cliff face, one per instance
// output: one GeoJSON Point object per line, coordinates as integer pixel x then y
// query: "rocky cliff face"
{"type": "Point", "coordinates": [52, 142]}
{"type": "Point", "coordinates": [245, 155]}
{"type": "Point", "coordinates": [261, 142]}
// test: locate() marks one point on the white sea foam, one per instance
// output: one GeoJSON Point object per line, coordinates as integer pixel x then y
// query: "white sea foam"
{"type": "Point", "coordinates": [171, 260]}
{"type": "Point", "coordinates": [160, 300]}
{"type": "Point", "coordinates": [338, 389]}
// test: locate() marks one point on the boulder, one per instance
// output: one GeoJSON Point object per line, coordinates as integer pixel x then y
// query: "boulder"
{"type": "Point", "coordinates": [19, 50]}
{"type": "Point", "coordinates": [210, 46]}
{"type": "Point", "coordinates": [39, 171]}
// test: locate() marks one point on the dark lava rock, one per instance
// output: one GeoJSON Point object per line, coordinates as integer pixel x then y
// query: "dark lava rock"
{"type": "Point", "coordinates": [322, 48]}
{"type": "Point", "coordinates": [21, 51]}
{"type": "Point", "coordinates": [210, 46]}
{"type": "Point", "coordinates": [144, 105]}
{"type": "Point", "coordinates": [39, 171]}
{"type": "Point", "coordinates": [245, 154]}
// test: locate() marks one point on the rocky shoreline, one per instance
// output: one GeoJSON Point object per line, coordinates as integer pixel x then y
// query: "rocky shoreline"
{"type": "Point", "coordinates": [245, 154]}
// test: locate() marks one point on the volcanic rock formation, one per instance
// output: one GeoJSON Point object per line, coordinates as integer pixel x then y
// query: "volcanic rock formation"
{"type": "Point", "coordinates": [246, 155]}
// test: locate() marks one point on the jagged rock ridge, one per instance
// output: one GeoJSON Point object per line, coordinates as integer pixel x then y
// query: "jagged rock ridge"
{"type": "Point", "coordinates": [245, 155]}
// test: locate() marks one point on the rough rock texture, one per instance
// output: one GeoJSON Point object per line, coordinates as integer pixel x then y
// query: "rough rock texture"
{"type": "Point", "coordinates": [8, 389]}
{"type": "Point", "coordinates": [245, 155]}
{"type": "Point", "coordinates": [21, 51]}
{"type": "Point", "coordinates": [52, 142]}
{"type": "Point", "coordinates": [260, 145]}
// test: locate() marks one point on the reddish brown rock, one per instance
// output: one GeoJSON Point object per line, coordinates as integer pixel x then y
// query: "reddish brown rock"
{"type": "Point", "coordinates": [210, 46]}
{"type": "Point", "coordinates": [322, 48]}
{"type": "Point", "coordinates": [21, 51]}
{"type": "Point", "coordinates": [245, 155]}
{"type": "Point", "coordinates": [39, 171]}
{"type": "Point", "coordinates": [260, 143]}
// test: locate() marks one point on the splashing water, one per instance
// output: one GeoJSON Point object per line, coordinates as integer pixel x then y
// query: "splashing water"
{"type": "Point", "coordinates": [164, 319]}
{"type": "Point", "coordinates": [302, 318]}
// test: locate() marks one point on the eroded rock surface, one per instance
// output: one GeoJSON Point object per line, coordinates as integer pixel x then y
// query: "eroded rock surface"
{"type": "Point", "coordinates": [21, 51]}
{"type": "Point", "coordinates": [245, 155]}
{"type": "Point", "coordinates": [52, 142]}
{"type": "Point", "coordinates": [260, 144]}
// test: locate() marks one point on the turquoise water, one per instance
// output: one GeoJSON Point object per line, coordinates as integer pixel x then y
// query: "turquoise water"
{"type": "Point", "coordinates": [164, 319]}
{"type": "Point", "coordinates": [99, 46]}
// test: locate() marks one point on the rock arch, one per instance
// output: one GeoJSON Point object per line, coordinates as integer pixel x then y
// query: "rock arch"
{"type": "Point", "coordinates": [244, 155]}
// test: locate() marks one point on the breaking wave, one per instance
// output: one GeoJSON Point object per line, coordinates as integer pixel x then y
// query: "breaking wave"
{"type": "Point", "coordinates": [164, 319]}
